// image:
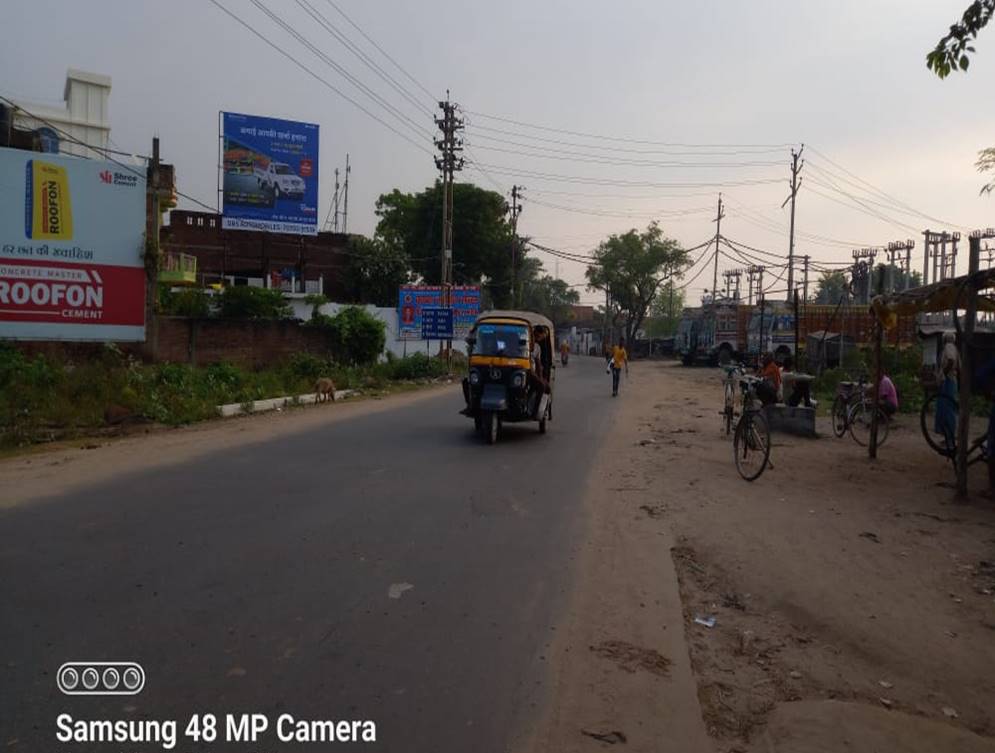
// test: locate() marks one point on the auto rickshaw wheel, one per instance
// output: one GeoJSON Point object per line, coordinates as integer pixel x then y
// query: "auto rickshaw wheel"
{"type": "Point", "coordinates": [492, 425]}
{"type": "Point", "coordinates": [542, 423]}
{"type": "Point", "coordinates": [478, 425]}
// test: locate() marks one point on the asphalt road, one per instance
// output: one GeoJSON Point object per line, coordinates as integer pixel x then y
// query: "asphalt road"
{"type": "Point", "coordinates": [257, 579]}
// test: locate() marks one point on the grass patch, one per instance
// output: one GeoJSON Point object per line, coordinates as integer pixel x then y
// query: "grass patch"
{"type": "Point", "coordinates": [42, 399]}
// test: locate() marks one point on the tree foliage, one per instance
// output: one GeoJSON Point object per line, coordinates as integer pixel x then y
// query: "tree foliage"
{"type": "Point", "coordinates": [952, 51]}
{"type": "Point", "coordinates": [986, 164]}
{"type": "Point", "coordinates": [831, 287]}
{"type": "Point", "coordinates": [666, 310]}
{"type": "Point", "coordinates": [630, 268]}
{"type": "Point", "coordinates": [412, 224]}
{"type": "Point", "coordinates": [550, 297]}
{"type": "Point", "coordinates": [375, 270]}
{"type": "Point", "coordinates": [356, 336]}
{"type": "Point", "coordinates": [244, 302]}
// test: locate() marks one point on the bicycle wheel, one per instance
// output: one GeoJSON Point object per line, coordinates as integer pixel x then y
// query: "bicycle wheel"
{"type": "Point", "coordinates": [839, 416]}
{"type": "Point", "coordinates": [938, 421]}
{"type": "Point", "coordinates": [859, 423]}
{"type": "Point", "coordinates": [751, 445]}
{"type": "Point", "coordinates": [727, 412]}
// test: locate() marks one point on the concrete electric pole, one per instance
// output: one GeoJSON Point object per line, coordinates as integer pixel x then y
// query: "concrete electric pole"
{"type": "Point", "coordinates": [718, 234]}
{"type": "Point", "coordinates": [796, 165]}
{"type": "Point", "coordinates": [448, 162]}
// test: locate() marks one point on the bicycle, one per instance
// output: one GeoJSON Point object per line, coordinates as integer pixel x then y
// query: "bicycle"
{"type": "Point", "coordinates": [729, 395]}
{"type": "Point", "coordinates": [751, 442]}
{"type": "Point", "coordinates": [938, 422]}
{"type": "Point", "coordinates": [846, 394]}
{"type": "Point", "coordinates": [859, 420]}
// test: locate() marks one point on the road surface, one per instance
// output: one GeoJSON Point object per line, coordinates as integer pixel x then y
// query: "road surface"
{"type": "Point", "coordinates": [261, 578]}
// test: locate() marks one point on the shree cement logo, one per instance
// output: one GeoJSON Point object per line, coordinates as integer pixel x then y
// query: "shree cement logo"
{"type": "Point", "coordinates": [48, 213]}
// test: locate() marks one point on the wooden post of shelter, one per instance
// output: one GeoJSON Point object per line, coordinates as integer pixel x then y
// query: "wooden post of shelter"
{"type": "Point", "coordinates": [964, 398]}
{"type": "Point", "coordinates": [872, 446]}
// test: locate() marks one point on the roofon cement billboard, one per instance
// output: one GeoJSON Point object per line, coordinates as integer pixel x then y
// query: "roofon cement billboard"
{"type": "Point", "coordinates": [270, 175]}
{"type": "Point", "coordinates": [71, 242]}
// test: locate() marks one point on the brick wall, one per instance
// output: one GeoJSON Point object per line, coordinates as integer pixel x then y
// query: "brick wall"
{"type": "Point", "coordinates": [248, 343]}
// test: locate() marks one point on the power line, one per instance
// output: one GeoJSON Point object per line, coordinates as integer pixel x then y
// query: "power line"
{"type": "Point", "coordinates": [319, 78]}
{"type": "Point", "coordinates": [364, 58]}
{"type": "Point", "coordinates": [538, 175]}
{"type": "Point", "coordinates": [669, 214]}
{"type": "Point", "coordinates": [545, 140]}
{"type": "Point", "coordinates": [383, 52]}
{"type": "Point", "coordinates": [619, 138]}
{"type": "Point", "coordinates": [341, 70]}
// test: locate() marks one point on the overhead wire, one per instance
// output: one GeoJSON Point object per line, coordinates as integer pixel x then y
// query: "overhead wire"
{"type": "Point", "coordinates": [320, 79]}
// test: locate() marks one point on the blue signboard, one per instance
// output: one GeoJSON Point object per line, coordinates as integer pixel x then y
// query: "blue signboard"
{"type": "Point", "coordinates": [414, 299]}
{"type": "Point", "coordinates": [436, 323]}
{"type": "Point", "coordinates": [270, 175]}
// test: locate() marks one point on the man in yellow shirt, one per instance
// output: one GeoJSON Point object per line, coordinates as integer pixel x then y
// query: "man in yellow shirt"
{"type": "Point", "coordinates": [619, 359]}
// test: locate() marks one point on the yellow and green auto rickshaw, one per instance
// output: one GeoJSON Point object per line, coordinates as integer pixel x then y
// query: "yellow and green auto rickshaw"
{"type": "Point", "coordinates": [511, 372]}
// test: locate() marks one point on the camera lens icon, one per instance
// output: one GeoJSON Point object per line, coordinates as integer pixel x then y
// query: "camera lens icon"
{"type": "Point", "coordinates": [101, 678]}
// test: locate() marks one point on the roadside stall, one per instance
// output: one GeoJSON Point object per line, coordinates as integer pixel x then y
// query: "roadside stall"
{"type": "Point", "coordinates": [963, 297]}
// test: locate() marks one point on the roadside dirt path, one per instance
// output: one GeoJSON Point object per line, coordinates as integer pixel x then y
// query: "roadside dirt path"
{"type": "Point", "coordinates": [48, 470]}
{"type": "Point", "coordinates": [853, 600]}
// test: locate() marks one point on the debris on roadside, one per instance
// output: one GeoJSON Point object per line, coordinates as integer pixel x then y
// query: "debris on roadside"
{"type": "Point", "coordinates": [606, 737]}
{"type": "Point", "coordinates": [708, 622]}
{"type": "Point", "coordinates": [885, 684]}
{"type": "Point", "coordinates": [630, 657]}
{"type": "Point", "coordinates": [949, 712]}
{"type": "Point", "coordinates": [871, 535]}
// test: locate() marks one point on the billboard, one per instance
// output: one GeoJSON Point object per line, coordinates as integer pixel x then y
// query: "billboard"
{"type": "Point", "coordinates": [71, 243]}
{"type": "Point", "coordinates": [413, 298]}
{"type": "Point", "coordinates": [270, 174]}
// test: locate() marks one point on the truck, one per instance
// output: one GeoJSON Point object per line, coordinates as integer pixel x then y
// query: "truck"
{"type": "Point", "coordinates": [713, 332]}
{"type": "Point", "coordinates": [280, 179]}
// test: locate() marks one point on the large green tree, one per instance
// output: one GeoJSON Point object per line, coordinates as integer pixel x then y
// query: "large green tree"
{"type": "Point", "coordinates": [374, 271]}
{"type": "Point", "coordinates": [666, 310]}
{"type": "Point", "coordinates": [412, 224]}
{"type": "Point", "coordinates": [631, 268]}
{"type": "Point", "coordinates": [831, 287]}
{"type": "Point", "coordinates": [549, 296]}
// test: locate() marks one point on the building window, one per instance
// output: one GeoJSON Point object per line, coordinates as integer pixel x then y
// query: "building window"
{"type": "Point", "coordinates": [200, 222]}
{"type": "Point", "coordinates": [49, 140]}
{"type": "Point", "coordinates": [189, 220]}
{"type": "Point", "coordinates": [211, 222]}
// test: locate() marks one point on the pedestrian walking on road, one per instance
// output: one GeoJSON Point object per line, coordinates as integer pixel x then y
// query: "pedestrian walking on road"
{"type": "Point", "coordinates": [619, 359]}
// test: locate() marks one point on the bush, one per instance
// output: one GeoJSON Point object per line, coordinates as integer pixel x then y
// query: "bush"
{"type": "Point", "coordinates": [194, 303]}
{"type": "Point", "coordinates": [416, 366]}
{"type": "Point", "coordinates": [356, 337]}
{"type": "Point", "coordinates": [243, 302]}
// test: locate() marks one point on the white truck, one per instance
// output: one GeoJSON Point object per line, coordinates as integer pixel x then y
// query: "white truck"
{"type": "Point", "coordinates": [279, 178]}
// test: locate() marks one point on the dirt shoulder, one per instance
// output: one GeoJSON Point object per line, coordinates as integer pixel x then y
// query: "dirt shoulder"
{"type": "Point", "coordinates": [620, 670]}
{"type": "Point", "coordinates": [48, 470]}
{"type": "Point", "coordinates": [853, 600]}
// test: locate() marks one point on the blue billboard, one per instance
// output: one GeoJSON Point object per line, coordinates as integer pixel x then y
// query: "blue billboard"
{"type": "Point", "coordinates": [413, 300]}
{"type": "Point", "coordinates": [270, 174]}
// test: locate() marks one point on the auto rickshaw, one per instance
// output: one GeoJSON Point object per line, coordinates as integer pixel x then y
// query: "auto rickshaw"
{"type": "Point", "coordinates": [504, 382]}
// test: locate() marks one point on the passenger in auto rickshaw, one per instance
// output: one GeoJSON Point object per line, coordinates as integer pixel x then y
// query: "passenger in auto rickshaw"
{"type": "Point", "coordinates": [541, 360]}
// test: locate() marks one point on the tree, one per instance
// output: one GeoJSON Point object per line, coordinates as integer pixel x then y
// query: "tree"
{"type": "Point", "coordinates": [375, 270]}
{"type": "Point", "coordinates": [986, 164]}
{"type": "Point", "coordinates": [630, 268]}
{"type": "Point", "coordinates": [831, 287]}
{"type": "Point", "coordinates": [412, 224]}
{"type": "Point", "coordinates": [243, 302]}
{"type": "Point", "coordinates": [666, 310]}
{"type": "Point", "coordinates": [951, 52]}
{"type": "Point", "coordinates": [550, 297]}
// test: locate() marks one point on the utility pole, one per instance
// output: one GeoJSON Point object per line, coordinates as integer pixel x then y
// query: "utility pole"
{"type": "Point", "coordinates": [345, 207]}
{"type": "Point", "coordinates": [449, 162]}
{"type": "Point", "coordinates": [926, 237]}
{"type": "Point", "coordinates": [894, 251]}
{"type": "Point", "coordinates": [805, 280]}
{"type": "Point", "coordinates": [335, 204]}
{"type": "Point", "coordinates": [863, 268]}
{"type": "Point", "coordinates": [966, 367]}
{"type": "Point", "coordinates": [516, 209]}
{"type": "Point", "coordinates": [718, 234]}
{"type": "Point", "coordinates": [152, 258]}
{"type": "Point", "coordinates": [796, 165]}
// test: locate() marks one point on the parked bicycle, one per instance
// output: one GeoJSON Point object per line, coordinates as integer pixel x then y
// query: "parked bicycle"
{"type": "Point", "coordinates": [853, 411]}
{"type": "Point", "coordinates": [751, 442]}
{"type": "Point", "coordinates": [729, 394]}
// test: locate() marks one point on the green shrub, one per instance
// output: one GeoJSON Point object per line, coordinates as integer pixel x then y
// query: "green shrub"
{"type": "Point", "coordinates": [356, 337]}
{"type": "Point", "coordinates": [244, 302]}
{"type": "Point", "coordinates": [194, 303]}
{"type": "Point", "coordinates": [416, 366]}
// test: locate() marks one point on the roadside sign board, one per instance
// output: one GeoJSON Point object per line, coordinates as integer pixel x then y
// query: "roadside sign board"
{"type": "Point", "coordinates": [71, 245]}
{"type": "Point", "coordinates": [412, 299]}
{"type": "Point", "coordinates": [437, 323]}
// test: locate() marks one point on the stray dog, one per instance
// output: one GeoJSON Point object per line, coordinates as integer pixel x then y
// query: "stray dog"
{"type": "Point", "coordinates": [324, 389]}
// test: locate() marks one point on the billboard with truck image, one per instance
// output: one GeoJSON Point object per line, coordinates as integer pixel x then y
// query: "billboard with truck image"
{"type": "Point", "coordinates": [270, 178]}
{"type": "Point", "coordinates": [71, 244]}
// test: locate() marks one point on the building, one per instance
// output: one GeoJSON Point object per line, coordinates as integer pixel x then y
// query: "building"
{"type": "Point", "coordinates": [292, 263]}
{"type": "Point", "coordinates": [85, 118]}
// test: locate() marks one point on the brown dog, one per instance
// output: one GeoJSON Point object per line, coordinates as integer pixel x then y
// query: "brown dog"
{"type": "Point", "coordinates": [324, 389]}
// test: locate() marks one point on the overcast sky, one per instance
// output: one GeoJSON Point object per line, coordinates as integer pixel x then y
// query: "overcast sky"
{"type": "Point", "coordinates": [750, 79]}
